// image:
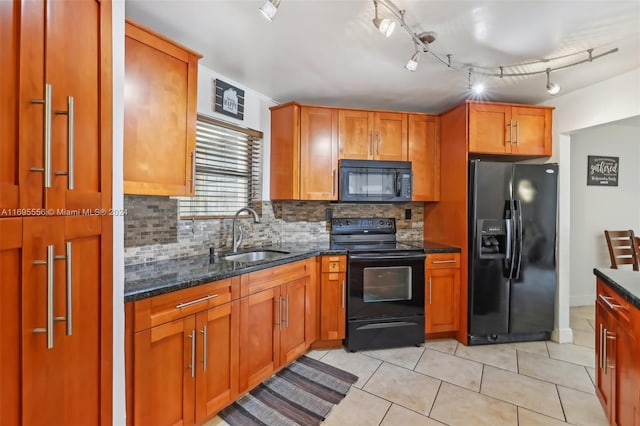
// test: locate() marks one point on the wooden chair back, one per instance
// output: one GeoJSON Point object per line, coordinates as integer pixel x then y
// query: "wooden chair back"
{"type": "Point", "coordinates": [622, 248]}
{"type": "Point", "coordinates": [636, 247]}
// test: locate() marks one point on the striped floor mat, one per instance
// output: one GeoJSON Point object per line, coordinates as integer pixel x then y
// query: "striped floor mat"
{"type": "Point", "coordinates": [301, 394]}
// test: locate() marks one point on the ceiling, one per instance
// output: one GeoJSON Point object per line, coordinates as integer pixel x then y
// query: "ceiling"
{"type": "Point", "coordinates": [329, 52]}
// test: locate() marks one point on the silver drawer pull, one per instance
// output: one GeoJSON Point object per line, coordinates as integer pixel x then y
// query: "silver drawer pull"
{"type": "Point", "coordinates": [70, 142]}
{"type": "Point", "coordinates": [437, 262]}
{"type": "Point", "coordinates": [46, 102]}
{"type": "Point", "coordinates": [193, 302]}
{"type": "Point", "coordinates": [606, 301]}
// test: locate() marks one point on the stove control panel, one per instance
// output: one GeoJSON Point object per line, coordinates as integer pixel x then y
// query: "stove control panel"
{"type": "Point", "coordinates": [360, 225]}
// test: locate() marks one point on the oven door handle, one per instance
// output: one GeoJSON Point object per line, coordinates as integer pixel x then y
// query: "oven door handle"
{"type": "Point", "coordinates": [388, 256]}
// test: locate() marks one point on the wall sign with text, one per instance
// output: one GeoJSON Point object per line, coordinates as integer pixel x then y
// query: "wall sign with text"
{"type": "Point", "coordinates": [602, 171]}
{"type": "Point", "coordinates": [228, 100]}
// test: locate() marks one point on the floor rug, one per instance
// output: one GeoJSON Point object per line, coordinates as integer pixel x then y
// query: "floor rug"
{"type": "Point", "coordinates": [301, 394]}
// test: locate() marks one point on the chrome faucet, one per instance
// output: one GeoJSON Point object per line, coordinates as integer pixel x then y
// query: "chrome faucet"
{"type": "Point", "coordinates": [238, 239]}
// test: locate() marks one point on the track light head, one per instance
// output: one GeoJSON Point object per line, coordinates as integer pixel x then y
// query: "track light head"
{"type": "Point", "coordinates": [552, 88]}
{"type": "Point", "coordinates": [427, 37]}
{"type": "Point", "coordinates": [269, 9]}
{"type": "Point", "coordinates": [412, 64]}
{"type": "Point", "coordinates": [385, 26]}
{"type": "Point", "coordinates": [477, 88]}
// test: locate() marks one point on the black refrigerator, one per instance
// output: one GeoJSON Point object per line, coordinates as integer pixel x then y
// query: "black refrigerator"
{"type": "Point", "coordinates": [512, 251]}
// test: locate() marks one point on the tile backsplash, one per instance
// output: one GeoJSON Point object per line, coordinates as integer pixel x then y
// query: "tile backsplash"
{"type": "Point", "coordinates": [153, 230]}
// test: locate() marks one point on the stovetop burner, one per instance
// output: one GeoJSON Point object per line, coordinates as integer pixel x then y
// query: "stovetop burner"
{"type": "Point", "coordinates": [366, 234]}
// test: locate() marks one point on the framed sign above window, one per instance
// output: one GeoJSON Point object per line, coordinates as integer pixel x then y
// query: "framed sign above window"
{"type": "Point", "coordinates": [228, 99]}
{"type": "Point", "coordinates": [602, 171]}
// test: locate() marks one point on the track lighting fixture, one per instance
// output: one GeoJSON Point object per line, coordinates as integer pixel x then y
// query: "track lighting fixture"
{"type": "Point", "coordinates": [552, 88]}
{"type": "Point", "coordinates": [269, 9]}
{"type": "Point", "coordinates": [412, 65]}
{"type": "Point", "coordinates": [385, 26]}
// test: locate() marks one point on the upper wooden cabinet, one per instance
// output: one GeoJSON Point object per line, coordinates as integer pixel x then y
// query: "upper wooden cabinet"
{"type": "Point", "coordinates": [496, 128]}
{"type": "Point", "coordinates": [372, 135]}
{"type": "Point", "coordinates": [159, 114]}
{"type": "Point", "coordinates": [304, 152]}
{"type": "Point", "coordinates": [424, 154]}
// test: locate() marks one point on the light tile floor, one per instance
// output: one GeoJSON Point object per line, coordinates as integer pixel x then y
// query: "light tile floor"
{"type": "Point", "coordinates": [444, 382]}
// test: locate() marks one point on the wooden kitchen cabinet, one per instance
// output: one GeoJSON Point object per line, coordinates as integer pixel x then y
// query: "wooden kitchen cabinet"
{"type": "Point", "coordinates": [333, 288]}
{"type": "Point", "coordinates": [304, 152]}
{"type": "Point", "coordinates": [272, 321]}
{"type": "Point", "coordinates": [617, 346]}
{"type": "Point", "coordinates": [496, 128]}
{"type": "Point", "coordinates": [424, 154]}
{"type": "Point", "coordinates": [372, 135]}
{"type": "Point", "coordinates": [442, 292]}
{"type": "Point", "coordinates": [56, 105]}
{"type": "Point", "coordinates": [184, 354]}
{"type": "Point", "coordinates": [159, 114]}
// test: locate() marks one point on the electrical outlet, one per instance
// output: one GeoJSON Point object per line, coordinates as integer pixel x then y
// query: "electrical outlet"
{"type": "Point", "coordinates": [328, 214]}
{"type": "Point", "coordinates": [407, 214]}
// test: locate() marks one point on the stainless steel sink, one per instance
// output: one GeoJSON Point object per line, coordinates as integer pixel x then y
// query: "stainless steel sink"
{"type": "Point", "coordinates": [254, 255]}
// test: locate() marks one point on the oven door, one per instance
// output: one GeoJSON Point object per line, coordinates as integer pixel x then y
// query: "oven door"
{"type": "Point", "coordinates": [385, 285]}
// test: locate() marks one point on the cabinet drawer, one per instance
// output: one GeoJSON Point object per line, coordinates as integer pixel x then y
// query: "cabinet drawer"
{"type": "Point", "coordinates": [442, 260]}
{"type": "Point", "coordinates": [169, 307]}
{"type": "Point", "coordinates": [614, 303]}
{"type": "Point", "coordinates": [334, 263]}
{"type": "Point", "coordinates": [265, 279]}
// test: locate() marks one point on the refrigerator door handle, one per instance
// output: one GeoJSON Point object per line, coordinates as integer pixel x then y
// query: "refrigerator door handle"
{"type": "Point", "coordinates": [512, 239]}
{"type": "Point", "coordinates": [519, 238]}
{"type": "Point", "coordinates": [507, 249]}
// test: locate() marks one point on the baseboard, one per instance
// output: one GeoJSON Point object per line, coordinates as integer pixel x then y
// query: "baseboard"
{"type": "Point", "coordinates": [562, 335]}
{"type": "Point", "coordinates": [582, 300]}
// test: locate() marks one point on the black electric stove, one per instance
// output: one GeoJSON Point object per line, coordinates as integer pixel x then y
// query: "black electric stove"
{"type": "Point", "coordinates": [385, 284]}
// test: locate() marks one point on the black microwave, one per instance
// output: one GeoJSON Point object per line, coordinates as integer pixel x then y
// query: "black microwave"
{"type": "Point", "coordinates": [375, 181]}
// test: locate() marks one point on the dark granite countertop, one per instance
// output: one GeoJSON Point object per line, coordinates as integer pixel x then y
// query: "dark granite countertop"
{"type": "Point", "coordinates": [156, 278]}
{"type": "Point", "coordinates": [624, 282]}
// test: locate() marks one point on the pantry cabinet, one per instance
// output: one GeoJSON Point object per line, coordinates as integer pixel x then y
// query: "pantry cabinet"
{"type": "Point", "coordinates": [333, 298]}
{"type": "Point", "coordinates": [442, 292]}
{"type": "Point", "coordinates": [424, 154]}
{"type": "Point", "coordinates": [617, 346]}
{"type": "Point", "coordinates": [509, 129]}
{"type": "Point", "coordinates": [160, 113]}
{"type": "Point", "coordinates": [56, 295]}
{"type": "Point", "coordinates": [304, 152]}
{"type": "Point", "coordinates": [372, 135]}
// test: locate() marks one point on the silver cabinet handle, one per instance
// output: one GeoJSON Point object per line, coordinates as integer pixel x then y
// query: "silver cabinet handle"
{"type": "Point", "coordinates": [602, 343]}
{"type": "Point", "coordinates": [69, 264]}
{"type": "Point", "coordinates": [604, 351]}
{"type": "Point", "coordinates": [49, 263]}
{"type": "Point", "coordinates": [378, 132]}
{"type": "Point", "coordinates": [279, 313]}
{"type": "Point", "coordinates": [344, 294]}
{"type": "Point", "coordinates": [612, 306]}
{"type": "Point", "coordinates": [517, 132]}
{"type": "Point", "coordinates": [46, 102]}
{"type": "Point", "coordinates": [333, 182]}
{"type": "Point", "coordinates": [430, 291]}
{"type": "Point", "coordinates": [437, 262]}
{"type": "Point", "coordinates": [286, 312]}
{"type": "Point", "coordinates": [204, 348]}
{"type": "Point", "coordinates": [193, 171]}
{"type": "Point", "coordinates": [193, 302]}
{"type": "Point", "coordinates": [371, 142]}
{"type": "Point", "coordinates": [192, 366]}
{"type": "Point", "coordinates": [70, 142]}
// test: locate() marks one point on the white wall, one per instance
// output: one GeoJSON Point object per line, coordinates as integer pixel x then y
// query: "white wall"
{"type": "Point", "coordinates": [256, 114]}
{"type": "Point", "coordinates": [594, 208]}
{"type": "Point", "coordinates": [607, 101]}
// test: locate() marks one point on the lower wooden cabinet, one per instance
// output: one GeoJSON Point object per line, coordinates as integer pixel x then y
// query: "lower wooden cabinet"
{"type": "Point", "coordinates": [442, 292]}
{"type": "Point", "coordinates": [333, 297]}
{"type": "Point", "coordinates": [617, 348]}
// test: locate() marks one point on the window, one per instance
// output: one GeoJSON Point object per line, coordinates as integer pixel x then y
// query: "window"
{"type": "Point", "coordinates": [227, 169]}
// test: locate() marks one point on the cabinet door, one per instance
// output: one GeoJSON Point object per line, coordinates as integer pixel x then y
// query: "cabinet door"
{"type": "Point", "coordinates": [11, 255]}
{"type": "Point", "coordinates": [442, 304]}
{"type": "Point", "coordinates": [73, 123]}
{"type": "Point", "coordinates": [604, 357]}
{"type": "Point", "coordinates": [160, 115]}
{"type": "Point", "coordinates": [390, 140]}
{"type": "Point", "coordinates": [333, 314]}
{"type": "Point", "coordinates": [627, 374]}
{"type": "Point", "coordinates": [356, 134]}
{"type": "Point", "coordinates": [9, 102]}
{"type": "Point", "coordinates": [312, 304]}
{"type": "Point", "coordinates": [61, 317]}
{"type": "Point", "coordinates": [424, 154]}
{"type": "Point", "coordinates": [318, 153]}
{"type": "Point", "coordinates": [260, 326]}
{"type": "Point", "coordinates": [165, 374]}
{"type": "Point", "coordinates": [217, 349]}
{"type": "Point", "coordinates": [292, 337]}
{"type": "Point", "coordinates": [532, 131]}
{"type": "Point", "coordinates": [489, 129]}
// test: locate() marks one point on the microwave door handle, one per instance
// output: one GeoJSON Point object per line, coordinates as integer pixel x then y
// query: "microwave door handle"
{"type": "Point", "coordinates": [398, 184]}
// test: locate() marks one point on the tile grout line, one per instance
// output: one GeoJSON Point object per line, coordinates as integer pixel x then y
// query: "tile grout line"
{"type": "Point", "coordinates": [564, 414]}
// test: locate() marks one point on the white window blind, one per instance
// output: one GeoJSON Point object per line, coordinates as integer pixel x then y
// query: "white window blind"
{"type": "Point", "coordinates": [227, 169]}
